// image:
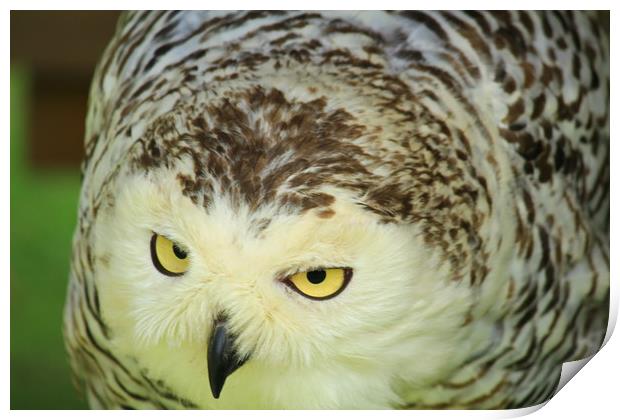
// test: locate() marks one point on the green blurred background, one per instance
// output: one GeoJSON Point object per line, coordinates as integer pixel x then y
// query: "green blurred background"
{"type": "Point", "coordinates": [49, 87]}
{"type": "Point", "coordinates": [43, 208]}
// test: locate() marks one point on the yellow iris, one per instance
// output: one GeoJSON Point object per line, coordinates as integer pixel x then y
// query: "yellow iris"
{"type": "Point", "coordinates": [168, 257]}
{"type": "Point", "coordinates": [320, 284]}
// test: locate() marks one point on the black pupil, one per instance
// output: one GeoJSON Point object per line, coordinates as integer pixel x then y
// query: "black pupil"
{"type": "Point", "coordinates": [316, 276]}
{"type": "Point", "coordinates": [179, 252]}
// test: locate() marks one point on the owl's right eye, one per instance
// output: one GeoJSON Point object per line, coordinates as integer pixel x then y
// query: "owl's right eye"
{"type": "Point", "coordinates": [320, 284]}
{"type": "Point", "coordinates": [168, 257]}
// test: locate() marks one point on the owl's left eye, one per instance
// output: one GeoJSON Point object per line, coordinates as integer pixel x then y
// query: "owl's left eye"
{"type": "Point", "coordinates": [320, 284]}
{"type": "Point", "coordinates": [168, 257]}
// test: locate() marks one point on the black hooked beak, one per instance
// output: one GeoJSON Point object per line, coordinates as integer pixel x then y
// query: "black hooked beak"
{"type": "Point", "coordinates": [222, 356]}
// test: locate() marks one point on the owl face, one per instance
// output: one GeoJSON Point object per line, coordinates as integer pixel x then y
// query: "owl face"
{"type": "Point", "coordinates": [261, 240]}
{"type": "Point", "coordinates": [324, 297]}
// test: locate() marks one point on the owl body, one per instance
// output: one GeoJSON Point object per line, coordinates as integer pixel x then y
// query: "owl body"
{"type": "Point", "coordinates": [454, 166]}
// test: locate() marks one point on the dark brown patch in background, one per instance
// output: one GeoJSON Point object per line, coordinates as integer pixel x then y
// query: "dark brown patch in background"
{"type": "Point", "coordinates": [60, 50]}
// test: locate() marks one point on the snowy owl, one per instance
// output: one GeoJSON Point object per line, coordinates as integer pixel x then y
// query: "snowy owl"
{"type": "Point", "coordinates": [341, 210]}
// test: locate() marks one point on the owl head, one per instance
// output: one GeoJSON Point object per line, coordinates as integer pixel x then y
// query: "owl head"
{"type": "Point", "coordinates": [289, 247]}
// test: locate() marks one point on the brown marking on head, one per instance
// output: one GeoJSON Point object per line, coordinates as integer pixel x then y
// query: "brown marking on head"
{"type": "Point", "coordinates": [254, 143]}
{"type": "Point", "coordinates": [259, 147]}
{"type": "Point", "coordinates": [326, 214]}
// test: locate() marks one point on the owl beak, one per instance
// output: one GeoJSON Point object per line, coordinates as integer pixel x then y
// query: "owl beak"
{"type": "Point", "coordinates": [222, 357]}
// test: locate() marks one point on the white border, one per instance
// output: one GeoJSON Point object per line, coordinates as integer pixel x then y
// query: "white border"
{"type": "Point", "coordinates": [310, 5]}
{"type": "Point", "coordinates": [593, 393]}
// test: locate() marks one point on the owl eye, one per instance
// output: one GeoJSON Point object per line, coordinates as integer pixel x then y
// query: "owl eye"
{"type": "Point", "coordinates": [323, 283]}
{"type": "Point", "coordinates": [169, 258]}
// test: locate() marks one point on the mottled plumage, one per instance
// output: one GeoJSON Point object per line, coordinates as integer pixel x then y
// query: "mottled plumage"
{"type": "Point", "coordinates": [456, 162]}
